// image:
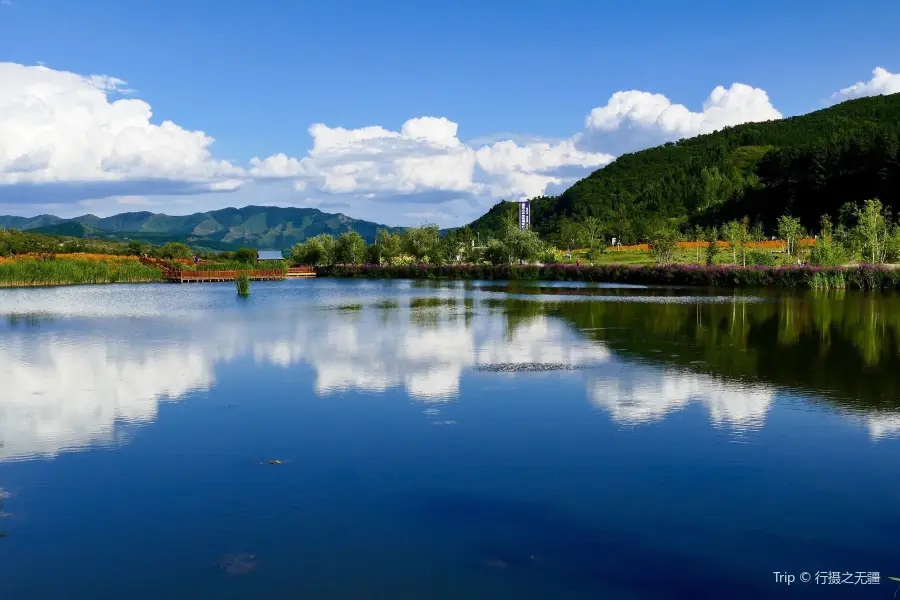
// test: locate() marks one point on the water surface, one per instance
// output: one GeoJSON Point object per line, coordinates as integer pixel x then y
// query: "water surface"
{"type": "Point", "coordinates": [445, 440]}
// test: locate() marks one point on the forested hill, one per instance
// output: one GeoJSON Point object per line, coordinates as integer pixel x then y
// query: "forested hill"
{"type": "Point", "coordinates": [226, 229]}
{"type": "Point", "coordinates": [805, 166]}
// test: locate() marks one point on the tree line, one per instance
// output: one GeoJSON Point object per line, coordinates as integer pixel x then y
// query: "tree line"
{"type": "Point", "coordinates": [865, 233]}
{"type": "Point", "coordinates": [425, 244]}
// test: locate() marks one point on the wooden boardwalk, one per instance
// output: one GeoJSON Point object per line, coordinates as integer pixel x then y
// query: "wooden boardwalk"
{"type": "Point", "coordinates": [301, 272]}
{"type": "Point", "coordinates": [191, 276]}
{"type": "Point", "coordinates": [174, 275]}
{"type": "Point", "coordinates": [200, 276]}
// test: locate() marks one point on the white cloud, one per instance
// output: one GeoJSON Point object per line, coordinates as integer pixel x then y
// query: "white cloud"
{"type": "Point", "coordinates": [424, 162]}
{"type": "Point", "coordinates": [61, 127]}
{"type": "Point", "coordinates": [882, 82]}
{"type": "Point", "coordinates": [634, 120]}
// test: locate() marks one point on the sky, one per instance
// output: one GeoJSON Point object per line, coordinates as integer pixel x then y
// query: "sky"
{"type": "Point", "coordinates": [396, 112]}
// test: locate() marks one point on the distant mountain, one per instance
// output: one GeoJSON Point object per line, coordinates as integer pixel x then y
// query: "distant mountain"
{"type": "Point", "coordinates": [265, 227]}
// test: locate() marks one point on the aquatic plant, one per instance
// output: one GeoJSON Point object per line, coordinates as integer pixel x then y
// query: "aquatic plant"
{"type": "Point", "coordinates": [386, 304]}
{"type": "Point", "coordinates": [66, 271]}
{"type": "Point", "coordinates": [242, 282]}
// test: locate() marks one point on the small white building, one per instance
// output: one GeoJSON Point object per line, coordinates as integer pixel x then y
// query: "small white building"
{"type": "Point", "coordinates": [269, 255]}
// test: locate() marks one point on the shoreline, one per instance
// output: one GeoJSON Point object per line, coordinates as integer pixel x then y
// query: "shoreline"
{"type": "Point", "coordinates": [862, 277]}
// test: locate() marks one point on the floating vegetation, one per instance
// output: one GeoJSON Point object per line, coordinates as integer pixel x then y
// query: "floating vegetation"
{"type": "Point", "coordinates": [527, 367]}
{"type": "Point", "coordinates": [238, 564]}
{"type": "Point", "coordinates": [387, 304]}
{"type": "Point", "coordinates": [274, 462]}
{"type": "Point", "coordinates": [242, 282]}
{"type": "Point", "coordinates": [429, 302]}
{"type": "Point", "coordinates": [350, 307]}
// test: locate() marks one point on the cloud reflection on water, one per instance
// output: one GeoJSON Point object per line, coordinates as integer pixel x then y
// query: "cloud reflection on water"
{"type": "Point", "coordinates": [73, 388]}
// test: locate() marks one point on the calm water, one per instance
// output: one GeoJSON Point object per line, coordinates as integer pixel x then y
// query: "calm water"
{"type": "Point", "coordinates": [438, 441]}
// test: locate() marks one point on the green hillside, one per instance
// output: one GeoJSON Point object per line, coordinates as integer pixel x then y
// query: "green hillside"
{"type": "Point", "coordinates": [805, 166]}
{"type": "Point", "coordinates": [225, 229]}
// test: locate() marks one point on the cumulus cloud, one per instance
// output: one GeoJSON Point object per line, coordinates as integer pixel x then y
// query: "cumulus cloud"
{"type": "Point", "coordinates": [882, 82]}
{"type": "Point", "coordinates": [425, 162]}
{"type": "Point", "coordinates": [634, 120]}
{"type": "Point", "coordinates": [60, 127]}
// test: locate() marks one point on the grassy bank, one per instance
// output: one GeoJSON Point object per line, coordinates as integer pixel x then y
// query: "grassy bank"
{"type": "Point", "coordinates": [863, 277]}
{"type": "Point", "coordinates": [67, 271]}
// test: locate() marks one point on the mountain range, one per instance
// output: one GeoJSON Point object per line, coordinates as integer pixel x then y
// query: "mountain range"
{"type": "Point", "coordinates": [264, 227]}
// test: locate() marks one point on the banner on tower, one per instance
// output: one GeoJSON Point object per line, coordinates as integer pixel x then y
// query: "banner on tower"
{"type": "Point", "coordinates": [524, 215]}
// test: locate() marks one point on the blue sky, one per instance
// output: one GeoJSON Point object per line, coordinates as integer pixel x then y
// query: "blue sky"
{"type": "Point", "coordinates": [256, 76]}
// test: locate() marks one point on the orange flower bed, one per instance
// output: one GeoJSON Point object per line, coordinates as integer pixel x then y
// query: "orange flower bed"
{"type": "Point", "coordinates": [765, 244]}
{"type": "Point", "coordinates": [73, 255]}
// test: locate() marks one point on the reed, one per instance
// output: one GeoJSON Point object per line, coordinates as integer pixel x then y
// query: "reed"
{"type": "Point", "coordinates": [242, 282]}
{"type": "Point", "coordinates": [68, 271]}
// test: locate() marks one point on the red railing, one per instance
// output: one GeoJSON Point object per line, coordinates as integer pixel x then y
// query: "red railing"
{"type": "Point", "coordinates": [187, 275]}
{"type": "Point", "coordinates": [302, 269]}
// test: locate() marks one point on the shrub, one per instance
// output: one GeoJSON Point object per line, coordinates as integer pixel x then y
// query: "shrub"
{"type": "Point", "coordinates": [761, 258]}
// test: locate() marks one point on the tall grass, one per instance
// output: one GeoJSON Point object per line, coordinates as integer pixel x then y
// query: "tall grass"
{"type": "Point", "coordinates": [242, 282]}
{"type": "Point", "coordinates": [67, 271]}
{"type": "Point", "coordinates": [232, 265]}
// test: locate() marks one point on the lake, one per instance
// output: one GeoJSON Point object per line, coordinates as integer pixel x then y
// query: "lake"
{"type": "Point", "coordinates": [428, 440]}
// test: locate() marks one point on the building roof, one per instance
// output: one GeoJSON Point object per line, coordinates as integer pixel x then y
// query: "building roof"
{"type": "Point", "coordinates": [270, 255]}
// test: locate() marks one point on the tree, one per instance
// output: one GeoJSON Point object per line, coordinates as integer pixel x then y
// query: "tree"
{"type": "Point", "coordinates": [175, 250]}
{"type": "Point", "coordinates": [246, 255]}
{"type": "Point", "coordinates": [592, 228]}
{"type": "Point", "coordinates": [789, 229]}
{"type": "Point", "coordinates": [495, 252]}
{"type": "Point", "coordinates": [373, 255]}
{"type": "Point", "coordinates": [135, 248]}
{"type": "Point", "coordinates": [734, 232]}
{"type": "Point", "coordinates": [522, 245]}
{"type": "Point", "coordinates": [827, 252]}
{"type": "Point", "coordinates": [663, 245]}
{"type": "Point", "coordinates": [571, 234]}
{"type": "Point", "coordinates": [757, 233]}
{"type": "Point", "coordinates": [872, 227]}
{"type": "Point", "coordinates": [389, 245]}
{"type": "Point", "coordinates": [315, 251]}
{"type": "Point", "coordinates": [326, 242]}
{"type": "Point", "coordinates": [697, 233]}
{"type": "Point", "coordinates": [712, 246]}
{"type": "Point", "coordinates": [419, 241]}
{"type": "Point", "coordinates": [349, 249]}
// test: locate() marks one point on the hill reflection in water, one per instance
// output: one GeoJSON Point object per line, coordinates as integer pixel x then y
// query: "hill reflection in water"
{"type": "Point", "coordinates": [79, 381]}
